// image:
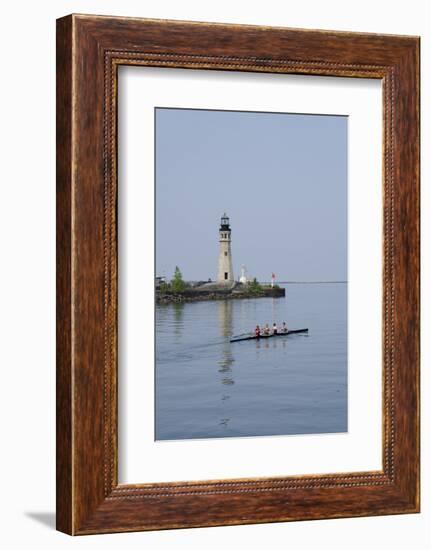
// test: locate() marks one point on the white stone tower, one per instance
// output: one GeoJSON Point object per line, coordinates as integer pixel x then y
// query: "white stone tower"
{"type": "Point", "coordinates": [225, 270]}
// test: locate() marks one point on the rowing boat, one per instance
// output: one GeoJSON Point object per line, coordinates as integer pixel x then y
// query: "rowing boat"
{"type": "Point", "coordinates": [263, 336]}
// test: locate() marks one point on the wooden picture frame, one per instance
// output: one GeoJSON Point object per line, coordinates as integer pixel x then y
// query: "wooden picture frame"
{"type": "Point", "coordinates": [89, 51]}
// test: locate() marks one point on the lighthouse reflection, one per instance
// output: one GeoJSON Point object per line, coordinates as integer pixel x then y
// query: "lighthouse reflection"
{"type": "Point", "coordinates": [226, 360]}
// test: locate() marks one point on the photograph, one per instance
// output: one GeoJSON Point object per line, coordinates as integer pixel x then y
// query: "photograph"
{"type": "Point", "coordinates": [251, 273]}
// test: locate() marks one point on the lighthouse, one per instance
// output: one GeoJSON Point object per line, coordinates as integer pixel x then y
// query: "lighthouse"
{"type": "Point", "coordinates": [225, 270]}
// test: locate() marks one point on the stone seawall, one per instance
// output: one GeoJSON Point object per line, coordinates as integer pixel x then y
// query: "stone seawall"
{"type": "Point", "coordinates": [195, 295]}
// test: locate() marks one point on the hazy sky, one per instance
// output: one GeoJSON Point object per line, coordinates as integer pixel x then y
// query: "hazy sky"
{"type": "Point", "coordinates": [281, 178]}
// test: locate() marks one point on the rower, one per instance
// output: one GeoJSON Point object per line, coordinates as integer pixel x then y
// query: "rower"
{"type": "Point", "coordinates": [257, 331]}
{"type": "Point", "coordinates": [267, 330]}
{"type": "Point", "coordinates": [274, 328]}
{"type": "Point", "coordinates": [284, 327]}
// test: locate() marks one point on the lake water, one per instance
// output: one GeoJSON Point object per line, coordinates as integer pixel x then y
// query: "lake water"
{"type": "Point", "coordinates": [209, 387]}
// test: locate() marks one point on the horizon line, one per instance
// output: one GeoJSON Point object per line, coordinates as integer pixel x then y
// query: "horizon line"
{"type": "Point", "coordinates": [283, 282]}
{"type": "Point", "coordinates": [305, 282]}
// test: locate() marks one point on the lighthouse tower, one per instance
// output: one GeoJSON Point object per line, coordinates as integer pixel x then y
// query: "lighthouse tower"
{"type": "Point", "coordinates": [225, 271]}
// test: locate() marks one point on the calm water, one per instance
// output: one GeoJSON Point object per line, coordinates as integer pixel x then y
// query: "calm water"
{"type": "Point", "coordinates": [208, 387]}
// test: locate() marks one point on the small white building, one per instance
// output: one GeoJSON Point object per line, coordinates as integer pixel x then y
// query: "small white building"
{"type": "Point", "coordinates": [243, 279]}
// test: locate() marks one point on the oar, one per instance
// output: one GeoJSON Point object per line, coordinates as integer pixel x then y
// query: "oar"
{"type": "Point", "coordinates": [242, 334]}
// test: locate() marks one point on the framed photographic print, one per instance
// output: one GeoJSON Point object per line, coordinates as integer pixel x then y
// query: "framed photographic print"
{"type": "Point", "coordinates": [237, 274]}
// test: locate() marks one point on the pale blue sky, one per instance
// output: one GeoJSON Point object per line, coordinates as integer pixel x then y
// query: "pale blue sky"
{"type": "Point", "coordinates": [281, 178]}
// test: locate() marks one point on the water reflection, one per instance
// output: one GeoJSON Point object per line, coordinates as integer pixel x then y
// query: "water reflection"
{"type": "Point", "coordinates": [227, 359]}
{"type": "Point", "coordinates": [274, 343]}
{"type": "Point", "coordinates": [178, 320]}
{"type": "Point", "coordinates": [225, 318]}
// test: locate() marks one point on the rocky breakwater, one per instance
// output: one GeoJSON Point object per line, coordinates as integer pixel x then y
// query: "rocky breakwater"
{"type": "Point", "coordinates": [216, 291]}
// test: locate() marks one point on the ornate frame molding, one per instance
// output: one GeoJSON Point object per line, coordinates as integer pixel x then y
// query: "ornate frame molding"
{"type": "Point", "coordinates": [90, 49]}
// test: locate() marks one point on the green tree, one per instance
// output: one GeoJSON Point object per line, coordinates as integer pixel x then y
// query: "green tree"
{"type": "Point", "coordinates": [177, 283]}
{"type": "Point", "coordinates": [255, 287]}
{"type": "Point", "coordinates": [164, 287]}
